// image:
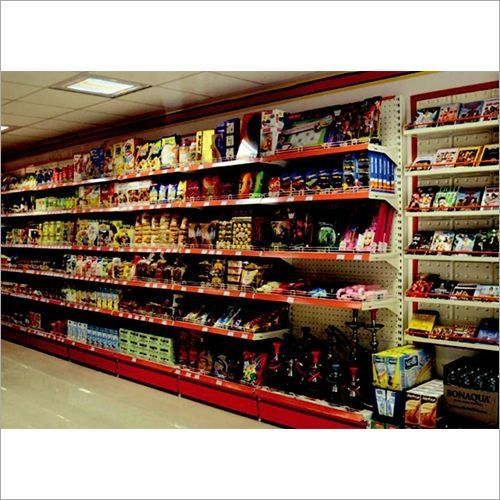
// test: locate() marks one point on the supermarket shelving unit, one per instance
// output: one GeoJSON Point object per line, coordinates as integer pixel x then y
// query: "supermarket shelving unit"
{"type": "Point", "coordinates": [463, 267]}
{"type": "Point", "coordinates": [287, 410]}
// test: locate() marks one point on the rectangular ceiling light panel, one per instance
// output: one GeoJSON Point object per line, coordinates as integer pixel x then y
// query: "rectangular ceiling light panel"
{"type": "Point", "coordinates": [97, 85]}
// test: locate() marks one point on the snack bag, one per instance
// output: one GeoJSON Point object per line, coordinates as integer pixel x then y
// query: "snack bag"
{"type": "Point", "coordinates": [253, 367]}
{"type": "Point", "coordinates": [169, 152]}
{"type": "Point", "coordinates": [247, 182]}
{"type": "Point", "coordinates": [141, 157]}
{"type": "Point", "coordinates": [154, 157]}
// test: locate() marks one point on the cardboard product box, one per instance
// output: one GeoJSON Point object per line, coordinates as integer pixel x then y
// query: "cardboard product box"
{"type": "Point", "coordinates": [198, 147]}
{"type": "Point", "coordinates": [401, 368]}
{"type": "Point", "coordinates": [118, 163]}
{"type": "Point", "coordinates": [272, 123]}
{"type": "Point", "coordinates": [108, 169]}
{"type": "Point", "coordinates": [472, 404]}
{"type": "Point", "coordinates": [424, 405]}
{"type": "Point", "coordinates": [89, 196]}
{"type": "Point", "coordinates": [231, 138]}
{"type": "Point", "coordinates": [129, 147]}
{"type": "Point", "coordinates": [206, 145]}
{"type": "Point", "coordinates": [389, 405]}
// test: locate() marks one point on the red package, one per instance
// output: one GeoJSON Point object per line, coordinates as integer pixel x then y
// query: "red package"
{"type": "Point", "coordinates": [192, 189]}
{"type": "Point", "coordinates": [274, 186]}
{"type": "Point", "coordinates": [210, 186]}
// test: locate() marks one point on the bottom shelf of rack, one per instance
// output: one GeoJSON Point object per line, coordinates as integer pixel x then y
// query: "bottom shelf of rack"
{"type": "Point", "coordinates": [258, 402]}
{"type": "Point", "coordinates": [453, 343]}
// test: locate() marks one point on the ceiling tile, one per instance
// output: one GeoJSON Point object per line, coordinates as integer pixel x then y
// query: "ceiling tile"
{"type": "Point", "coordinates": [146, 77]}
{"type": "Point", "coordinates": [18, 121]}
{"type": "Point", "coordinates": [211, 84]}
{"type": "Point", "coordinates": [89, 117]}
{"type": "Point", "coordinates": [38, 78]}
{"type": "Point", "coordinates": [268, 77]}
{"type": "Point", "coordinates": [29, 109]}
{"type": "Point", "coordinates": [59, 125]}
{"type": "Point", "coordinates": [5, 101]}
{"type": "Point", "coordinates": [34, 133]}
{"type": "Point", "coordinates": [16, 90]}
{"type": "Point", "coordinates": [164, 98]}
{"type": "Point", "coordinates": [121, 107]}
{"type": "Point", "coordinates": [63, 98]}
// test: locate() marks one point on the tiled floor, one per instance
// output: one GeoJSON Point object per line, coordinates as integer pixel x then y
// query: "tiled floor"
{"type": "Point", "coordinates": [44, 392]}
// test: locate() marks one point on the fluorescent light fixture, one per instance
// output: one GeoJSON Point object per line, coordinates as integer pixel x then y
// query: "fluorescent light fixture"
{"type": "Point", "coordinates": [99, 85]}
{"type": "Point", "coordinates": [4, 127]}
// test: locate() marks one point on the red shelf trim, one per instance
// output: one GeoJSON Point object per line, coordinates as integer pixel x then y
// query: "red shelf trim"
{"type": "Point", "coordinates": [143, 318]}
{"type": "Point", "coordinates": [357, 194]}
{"type": "Point", "coordinates": [199, 289]}
{"type": "Point", "coordinates": [282, 254]}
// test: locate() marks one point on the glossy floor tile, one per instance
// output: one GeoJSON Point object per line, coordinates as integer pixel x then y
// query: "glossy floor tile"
{"type": "Point", "coordinates": [43, 392]}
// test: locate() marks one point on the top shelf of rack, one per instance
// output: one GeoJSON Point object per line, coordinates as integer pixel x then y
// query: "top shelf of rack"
{"type": "Point", "coordinates": [328, 149]}
{"type": "Point", "coordinates": [452, 129]}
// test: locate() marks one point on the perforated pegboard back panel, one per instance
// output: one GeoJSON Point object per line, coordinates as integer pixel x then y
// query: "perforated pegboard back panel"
{"type": "Point", "coordinates": [380, 272]}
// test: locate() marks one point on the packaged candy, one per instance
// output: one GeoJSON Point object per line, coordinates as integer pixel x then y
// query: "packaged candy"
{"type": "Point", "coordinates": [312, 181]}
{"type": "Point", "coordinates": [118, 165]}
{"type": "Point", "coordinates": [108, 168]}
{"type": "Point", "coordinates": [171, 192]}
{"type": "Point", "coordinates": [210, 186]}
{"type": "Point", "coordinates": [153, 193]}
{"type": "Point", "coordinates": [281, 232]}
{"type": "Point", "coordinates": [285, 183]}
{"type": "Point", "coordinates": [242, 232]}
{"type": "Point", "coordinates": [192, 189]}
{"type": "Point", "coordinates": [298, 183]}
{"type": "Point", "coordinates": [154, 156]}
{"type": "Point", "coordinates": [141, 157]}
{"type": "Point", "coordinates": [96, 163]}
{"type": "Point", "coordinates": [258, 185]}
{"type": "Point", "coordinates": [181, 190]}
{"type": "Point", "coordinates": [129, 147]}
{"type": "Point", "coordinates": [254, 365]}
{"type": "Point", "coordinates": [327, 235]}
{"type": "Point", "coordinates": [274, 186]}
{"type": "Point", "coordinates": [169, 152]}
{"type": "Point", "coordinates": [247, 182]}
{"type": "Point", "coordinates": [108, 195]}
{"type": "Point", "coordinates": [324, 180]}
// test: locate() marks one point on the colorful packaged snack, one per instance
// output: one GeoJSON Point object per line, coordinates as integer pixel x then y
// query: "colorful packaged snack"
{"type": "Point", "coordinates": [96, 163]}
{"type": "Point", "coordinates": [219, 146]}
{"type": "Point", "coordinates": [297, 182]}
{"type": "Point", "coordinates": [171, 192]}
{"type": "Point", "coordinates": [259, 184]}
{"type": "Point", "coordinates": [118, 164]}
{"type": "Point", "coordinates": [285, 183]}
{"type": "Point", "coordinates": [181, 190]}
{"type": "Point", "coordinates": [274, 186]}
{"type": "Point", "coordinates": [324, 180]}
{"type": "Point", "coordinates": [108, 168]}
{"type": "Point", "coordinates": [192, 189]}
{"type": "Point", "coordinates": [154, 156]}
{"type": "Point", "coordinates": [247, 182]}
{"type": "Point", "coordinates": [254, 365]}
{"type": "Point", "coordinates": [312, 181]}
{"type": "Point", "coordinates": [210, 186]}
{"type": "Point", "coordinates": [207, 145]}
{"type": "Point", "coordinates": [141, 157]}
{"type": "Point", "coordinates": [169, 152]}
{"type": "Point", "coordinates": [129, 147]}
{"type": "Point", "coordinates": [327, 235]}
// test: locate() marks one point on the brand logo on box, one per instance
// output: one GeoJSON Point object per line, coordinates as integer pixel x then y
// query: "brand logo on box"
{"type": "Point", "coordinates": [466, 396]}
